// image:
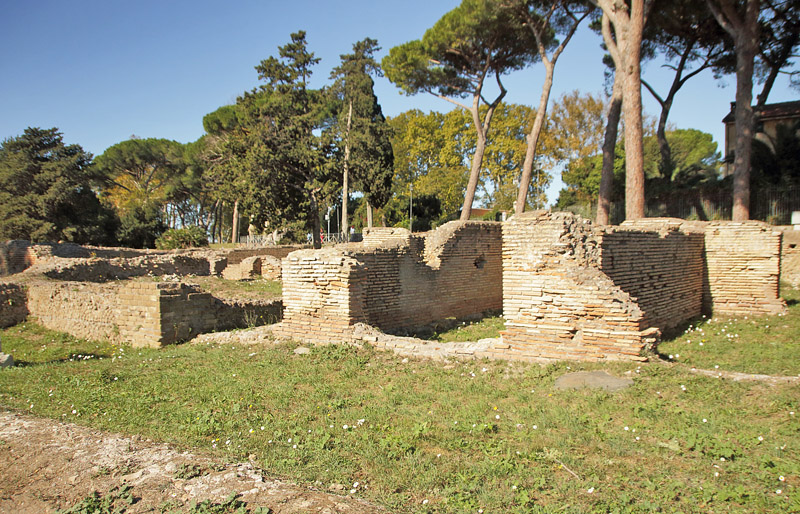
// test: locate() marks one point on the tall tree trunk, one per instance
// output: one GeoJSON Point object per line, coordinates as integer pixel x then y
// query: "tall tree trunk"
{"type": "Point", "coordinates": [345, 226]}
{"type": "Point", "coordinates": [537, 26]}
{"type": "Point", "coordinates": [213, 221]}
{"type": "Point", "coordinates": [533, 138]}
{"type": "Point", "coordinates": [632, 93]}
{"type": "Point", "coordinates": [625, 47]}
{"type": "Point", "coordinates": [316, 229]}
{"type": "Point", "coordinates": [609, 154]}
{"type": "Point", "coordinates": [235, 228]}
{"type": "Point", "coordinates": [744, 31]}
{"type": "Point", "coordinates": [369, 214]}
{"type": "Point", "coordinates": [477, 158]}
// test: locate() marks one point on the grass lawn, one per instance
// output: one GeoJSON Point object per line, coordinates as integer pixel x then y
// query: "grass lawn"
{"type": "Point", "coordinates": [421, 436]}
{"type": "Point", "coordinates": [258, 289]}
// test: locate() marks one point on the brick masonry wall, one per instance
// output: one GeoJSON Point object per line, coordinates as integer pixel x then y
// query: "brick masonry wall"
{"type": "Point", "coordinates": [279, 252]}
{"type": "Point", "coordinates": [13, 304]}
{"type": "Point", "coordinates": [744, 264]}
{"type": "Point", "coordinates": [140, 313]}
{"type": "Point", "coordinates": [556, 301]}
{"type": "Point", "coordinates": [659, 262]}
{"type": "Point", "coordinates": [392, 280]}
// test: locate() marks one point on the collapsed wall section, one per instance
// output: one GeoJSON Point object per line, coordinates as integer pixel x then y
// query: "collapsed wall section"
{"type": "Point", "coordinates": [557, 302]}
{"type": "Point", "coordinates": [13, 304]}
{"type": "Point", "coordinates": [393, 280]}
{"type": "Point", "coordinates": [744, 266]}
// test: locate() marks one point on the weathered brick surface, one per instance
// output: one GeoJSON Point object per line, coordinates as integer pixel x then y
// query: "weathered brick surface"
{"type": "Point", "coordinates": [140, 313]}
{"type": "Point", "coordinates": [575, 291]}
{"type": "Point", "coordinates": [393, 280]}
{"type": "Point", "coordinates": [13, 304]}
{"type": "Point", "coordinates": [744, 263]}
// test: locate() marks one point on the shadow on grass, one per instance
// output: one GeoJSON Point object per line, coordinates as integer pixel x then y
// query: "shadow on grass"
{"type": "Point", "coordinates": [72, 358]}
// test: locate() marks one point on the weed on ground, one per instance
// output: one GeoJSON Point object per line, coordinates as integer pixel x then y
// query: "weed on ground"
{"type": "Point", "coordinates": [422, 436]}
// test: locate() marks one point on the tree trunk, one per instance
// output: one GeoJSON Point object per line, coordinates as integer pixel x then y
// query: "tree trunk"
{"type": "Point", "coordinates": [214, 221]}
{"type": "Point", "coordinates": [744, 31]}
{"type": "Point", "coordinates": [235, 228]}
{"type": "Point", "coordinates": [775, 67]}
{"type": "Point", "coordinates": [533, 139]}
{"type": "Point", "coordinates": [369, 214]}
{"type": "Point", "coordinates": [632, 94]}
{"type": "Point", "coordinates": [316, 228]}
{"type": "Point", "coordinates": [609, 154]}
{"type": "Point", "coordinates": [345, 226]}
{"type": "Point", "coordinates": [477, 159]}
{"type": "Point", "coordinates": [744, 130]}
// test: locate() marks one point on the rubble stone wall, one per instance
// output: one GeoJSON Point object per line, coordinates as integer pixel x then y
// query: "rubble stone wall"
{"type": "Point", "coordinates": [140, 313]}
{"type": "Point", "coordinates": [279, 252]}
{"type": "Point", "coordinates": [557, 302]}
{"type": "Point", "coordinates": [744, 266]}
{"type": "Point", "coordinates": [13, 304]}
{"type": "Point", "coordinates": [393, 281]}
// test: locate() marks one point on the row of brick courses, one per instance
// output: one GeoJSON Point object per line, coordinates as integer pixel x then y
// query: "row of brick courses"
{"type": "Point", "coordinates": [86, 310]}
{"type": "Point", "coordinates": [237, 255]}
{"type": "Point", "coordinates": [141, 313]}
{"type": "Point", "coordinates": [556, 301]}
{"type": "Point", "coordinates": [13, 304]}
{"type": "Point", "coordinates": [14, 257]}
{"type": "Point", "coordinates": [743, 263]}
{"type": "Point", "coordinates": [660, 263]}
{"type": "Point", "coordinates": [393, 280]}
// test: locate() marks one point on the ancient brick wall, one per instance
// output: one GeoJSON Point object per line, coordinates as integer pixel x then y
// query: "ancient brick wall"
{"type": "Point", "coordinates": [659, 262]}
{"type": "Point", "coordinates": [556, 301]}
{"type": "Point", "coordinates": [393, 280]}
{"type": "Point", "coordinates": [14, 257]}
{"type": "Point", "coordinates": [279, 252]}
{"type": "Point", "coordinates": [87, 310]}
{"type": "Point", "coordinates": [141, 313]}
{"type": "Point", "coordinates": [743, 263]}
{"type": "Point", "coordinates": [13, 304]}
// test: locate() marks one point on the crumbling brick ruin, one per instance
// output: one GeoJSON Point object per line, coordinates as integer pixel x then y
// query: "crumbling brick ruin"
{"type": "Point", "coordinates": [107, 293]}
{"type": "Point", "coordinates": [570, 289]}
{"type": "Point", "coordinates": [393, 280]}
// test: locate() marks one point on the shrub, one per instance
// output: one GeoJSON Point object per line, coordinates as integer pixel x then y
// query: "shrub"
{"type": "Point", "coordinates": [189, 237]}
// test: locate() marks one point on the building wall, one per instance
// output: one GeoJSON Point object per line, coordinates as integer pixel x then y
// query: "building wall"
{"type": "Point", "coordinates": [140, 313]}
{"type": "Point", "coordinates": [13, 304]}
{"type": "Point", "coordinates": [393, 280]}
{"type": "Point", "coordinates": [744, 264]}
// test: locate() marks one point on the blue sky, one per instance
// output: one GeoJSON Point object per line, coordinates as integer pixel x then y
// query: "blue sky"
{"type": "Point", "coordinates": [101, 71]}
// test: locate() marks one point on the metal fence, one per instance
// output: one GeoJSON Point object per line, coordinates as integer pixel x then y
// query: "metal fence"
{"type": "Point", "coordinates": [772, 205]}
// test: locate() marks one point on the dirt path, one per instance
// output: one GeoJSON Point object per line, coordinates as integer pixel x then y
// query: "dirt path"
{"type": "Point", "coordinates": [46, 465]}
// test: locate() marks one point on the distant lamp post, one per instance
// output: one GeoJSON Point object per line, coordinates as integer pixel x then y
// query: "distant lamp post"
{"type": "Point", "coordinates": [411, 207]}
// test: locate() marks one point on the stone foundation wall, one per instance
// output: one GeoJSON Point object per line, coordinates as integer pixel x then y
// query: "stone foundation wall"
{"type": "Point", "coordinates": [575, 291]}
{"type": "Point", "coordinates": [744, 266]}
{"type": "Point", "coordinates": [396, 281]}
{"type": "Point", "coordinates": [279, 252]}
{"type": "Point", "coordinates": [13, 304]}
{"type": "Point", "coordinates": [140, 313]}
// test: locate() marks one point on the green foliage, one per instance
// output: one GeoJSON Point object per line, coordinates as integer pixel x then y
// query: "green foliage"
{"type": "Point", "coordinates": [360, 131]}
{"type": "Point", "coordinates": [190, 237]}
{"type": "Point", "coordinates": [45, 191]}
{"type": "Point", "coordinates": [140, 226]}
{"type": "Point", "coordinates": [116, 501]}
{"type": "Point", "coordinates": [140, 172]}
{"type": "Point", "coordinates": [275, 158]}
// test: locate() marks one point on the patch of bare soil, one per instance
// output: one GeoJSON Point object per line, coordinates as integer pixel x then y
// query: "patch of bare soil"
{"type": "Point", "coordinates": [46, 465]}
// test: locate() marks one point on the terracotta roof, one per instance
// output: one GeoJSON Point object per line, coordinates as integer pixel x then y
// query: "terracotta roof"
{"type": "Point", "coordinates": [769, 111]}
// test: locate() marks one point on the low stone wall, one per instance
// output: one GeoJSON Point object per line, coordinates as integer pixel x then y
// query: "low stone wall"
{"type": "Point", "coordinates": [397, 282]}
{"type": "Point", "coordinates": [744, 266]}
{"type": "Point", "coordinates": [576, 291]}
{"type": "Point", "coordinates": [96, 269]}
{"type": "Point", "coordinates": [140, 313]}
{"type": "Point", "coordinates": [279, 252]}
{"type": "Point", "coordinates": [13, 304]}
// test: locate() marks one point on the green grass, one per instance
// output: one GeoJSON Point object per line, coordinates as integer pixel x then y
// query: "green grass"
{"type": "Point", "coordinates": [260, 289]}
{"type": "Point", "coordinates": [765, 345]}
{"type": "Point", "coordinates": [472, 331]}
{"type": "Point", "coordinates": [421, 436]}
